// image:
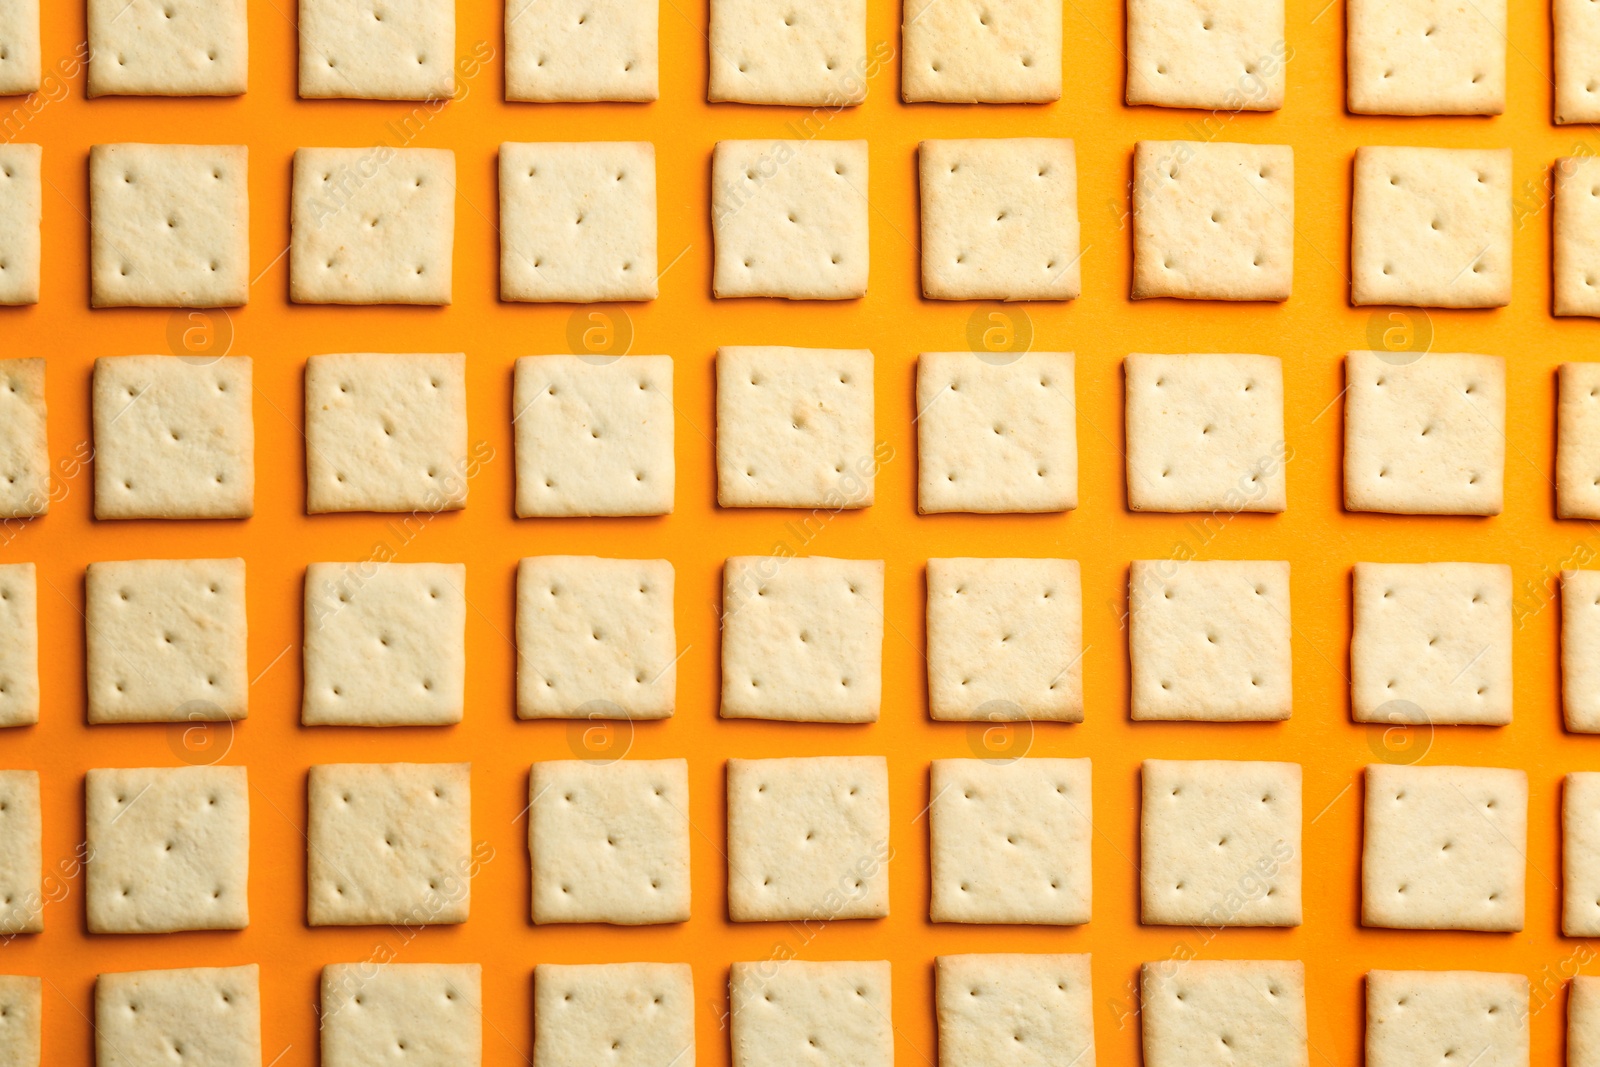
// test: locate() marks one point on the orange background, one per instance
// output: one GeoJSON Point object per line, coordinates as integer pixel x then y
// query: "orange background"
{"type": "Point", "coordinates": [1309, 332]}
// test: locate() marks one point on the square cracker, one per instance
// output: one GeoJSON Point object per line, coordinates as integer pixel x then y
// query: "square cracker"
{"type": "Point", "coordinates": [1431, 227]}
{"type": "Point", "coordinates": [1575, 250]}
{"type": "Point", "coordinates": [24, 446]}
{"type": "Point", "coordinates": [1213, 221]}
{"type": "Point", "coordinates": [1577, 441]}
{"type": "Point", "coordinates": [808, 838]}
{"type": "Point", "coordinates": [576, 50]}
{"type": "Point", "coordinates": [1583, 1021]}
{"type": "Point", "coordinates": [1429, 1016]}
{"type": "Point", "coordinates": [802, 638]}
{"type": "Point", "coordinates": [1205, 433]}
{"type": "Point", "coordinates": [170, 849]}
{"type": "Point", "coordinates": [372, 225]}
{"type": "Point", "coordinates": [385, 644]}
{"type": "Point", "coordinates": [789, 219]}
{"type": "Point", "coordinates": [594, 435]}
{"type": "Point", "coordinates": [613, 1015]}
{"type": "Point", "coordinates": [1210, 1013]}
{"type": "Point", "coordinates": [595, 638]}
{"type": "Point", "coordinates": [985, 1002]}
{"type": "Point", "coordinates": [169, 225]}
{"type": "Point", "coordinates": [1443, 848]}
{"type": "Point", "coordinates": [212, 1013]}
{"type": "Point", "coordinates": [19, 644]}
{"type": "Point", "coordinates": [173, 438]}
{"type": "Point", "coordinates": [610, 841]}
{"type": "Point", "coordinates": [773, 52]}
{"type": "Point", "coordinates": [348, 50]}
{"type": "Point", "coordinates": [21, 65]}
{"type": "Point", "coordinates": [838, 1012]}
{"type": "Point", "coordinates": [1580, 650]}
{"type": "Point", "coordinates": [1426, 57]}
{"type": "Point", "coordinates": [996, 432]}
{"type": "Point", "coordinates": [166, 640]}
{"type": "Point", "coordinates": [1577, 61]}
{"type": "Point", "coordinates": [1431, 643]}
{"type": "Point", "coordinates": [578, 221]}
{"type": "Point", "coordinates": [1009, 841]}
{"type": "Point", "coordinates": [964, 52]}
{"type": "Point", "coordinates": [1005, 639]}
{"type": "Point", "coordinates": [168, 47]}
{"type": "Point", "coordinates": [999, 219]}
{"type": "Point", "coordinates": [1424, 433]}
{"type": "Point", "coordinates": [795, 427]}
{"type": "Point", "coordinates": [1209, 640]}
{"type": "Point", "coordinates": [386, 432]}
{"type": "Point", "coordinates": [21, 863]}
{"type": "Point", "coordinates": [21, 1008]}
{"type": "Point", "coordinates": [428, 1013]}
{"type": "Point", "coordinates": [1202, 54]}
{"type": "Point", "coordinates": [21, 205]}
{"type": "Point", "coordinates": [1580, 855]}
{"type": "Point", "coordinates": [389, 843]}
{"type": "Point", "coordinates": [1220, 843]}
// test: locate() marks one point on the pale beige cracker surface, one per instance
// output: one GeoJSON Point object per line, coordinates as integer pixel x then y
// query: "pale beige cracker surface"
{"type": "Point", "coordinates": [835, 1013]}
{"type": "Point", "coordinates": [169, 225]}
{"type": "Point", "coordinates": [20, 63]}
{"type": "Point", "coordinates": [795, 428]}
{"type": "Point", "coordinates": [1216, 1013]}
{"type": "Point", "coordinates": [389, 843]}
{"type": "Point", "coordinates": [808, 838]}
{"type": "Point", "coordinates": [594, 435]}
{"type": "Point", "coordinates": [1424, 433]}
{"type": "Point", "coordinates": [393, 52]}
{"type": "Point", "coordinates": [1577, 61]}
{"type": "Point", "coordinates": [24, 447]}
{"type": "Point", "coordinates": [1205, 433]}
{"type": "Point", "coordinates": [166, 640]}
{"type": "Point", "coordinates": [1431, 643]}
{"type": "Point", "coordinates": [802, 638]}
{"type": "Point", "coordinates": [386, 432]}
{"type": "Point", "coordinates": [1213, 221]}
{"type": "Point", "coordinates": [1577, 441]}
{"type": "Point", "coordinates": [613, 1015]}
{"type": "Point", "coordinates": [1010, 841]}
{"type": "Point", "coordinates": [596, 638]}
{"type": "Point", "coordinates": [1203, 54]}
{"type": "Point", "coordinates": [1443, 848]}
{"type": "Point", "coordinates": [1210, 640]}
{"type": "Point", "coordinates": [1220, 843]}
{"type": "Point", "coordinates": [789, 219]}
{"type": "Point", "coordinates": [1580, 854]}
{"type": "Point", "coordinates": [963, 51]}
{"type": "Point", "coordinates": [372, 225]}
{"type": "Point", "coordinates": [1426, 57]}
{"type": "Point", "coordinates": [168, 47]}
{"type": "Point", "coordinates": [999, 219]}
{"type": "Point", "coordinates": [19, 644]}
{"type": "Point", "coordinates": [173, 438]}
{"type": "Point", "coordinates": [22, 898]}
{"type": "Point", "coordinates": [578, 221]}
{"type": "Point", "coordinates": [996, 432]}
{"type": "Point", "coordinates": [1005, 639]}
{"type": "Point", "coordinates": [1431, 227]}
{"type": "Point", "coordinates": [1014, 1010]}
{"type": "Point", "coordinates": [773, 52]}
{"type": "Point", "coordinates": [1416, 1017]}
{"type": "Point", "coordinates": [1575, 250]}
{"type": "Point", "coordinates": [1583, 1021]}
{"type": "Point", "coordinates": [21, 1020]}
{"type": "Point", "coordinates": [212, 1013]}
{"type": "Point", "coordinates": [21, 207]}
{"type": "Point", "coordinates": [385, 644]}
{"type": "Point", "coordinates": [168, 848]}
{"type": "Point", "coordinates": [576, 50]}
{"type": "Point", "coordinates": [610, 841]}
{"type": "Point", "coordinates": [1580, 650]}
{"type": "Point", "coordinates": [419, 1013]}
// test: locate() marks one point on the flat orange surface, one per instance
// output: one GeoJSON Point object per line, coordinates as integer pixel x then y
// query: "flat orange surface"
{"type": "Point", "coordinates": [1309, 332]}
